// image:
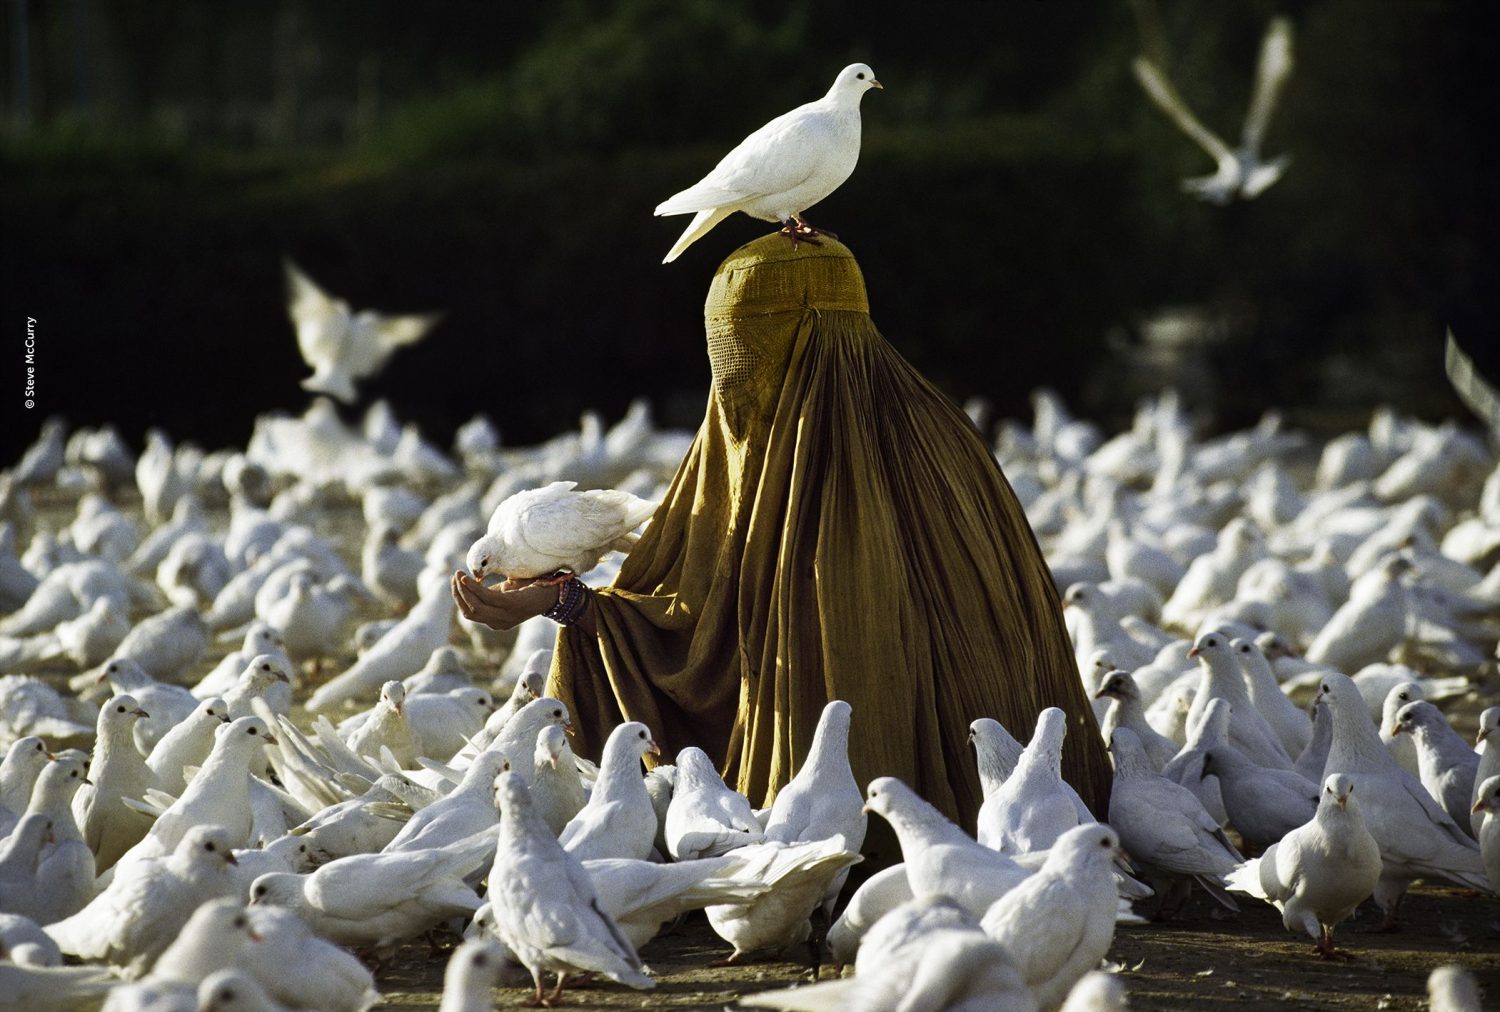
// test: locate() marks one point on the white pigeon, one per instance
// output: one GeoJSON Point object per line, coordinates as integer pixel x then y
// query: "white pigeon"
{"type": "Point", "coordinates": [557, 791]}
{"type": "Point", "coordinates": [1447, 765]}
{"type": "Point", "coordinates": [995, 751]}
{"type": "Point", "coordinates": [53, 988]}
{"type": "Point", "coordinates": [1076, 889]}
{"type": "Point", "coordinates": [133, 921]}
{"type": "Point", "coordinates": [783, 168]}
{"type": "Point", "coordinates": [517, 739]}
{"type": "Point", "coordinates": [380, 899]}
{"type": "Point", "coordinates": [64, 881]}
{"type": "Point", "coordinates": [1403, 747]}
{"type": "Point", "coordinates": [641, 896]}
{"type": "Point", "coordinates": [467, 809]}
{"type": "Point", "coordinates": [233, 990]}
{"type": "Point", "coordinates": [1486, 811]}
{"type": "Point", "coordinates": [1221, 679]}
{"type": "Point", "coordinates": [400, 653]}
{"type": "Point", "coordinates": [443, 723]}
{"type": "Point", "coordinates": [705, 817]}
{"type": "Point", "coordinates": [443, 672]}
{"type": "Point", "coordinates": [545, 906]}
{"type": "Point", "coordinates": [339, 344]}
{"type": "Point", "coordinates": [119, 771]}
{"type": "Point", "coordinates": [1367, 627]}
{"type": "Point", "coordinates": [472, 970]}
{"type": "Point", "coordinates": [823, 799]}
{"type": "Point", "coordinates": [1417, 838]}
{"type": "Point", "coordinates": [23, 763]}
{"type": "Point", "coordinates": [1240, 172]}
{"type": "Point", "coordinates": [387, 728]}
{"type": "Point", "coordinates": [301, 970]}
{"type": "Point", "coordinates": [1126, 711]}
{"type": "Point", "coordinates": [542, 533]}
{"type": "Point", "coordinates": [266, 677]}
{"type": "Point", "coordinates": [186, 744]}
{"type": "Point", "coordinates": [1263, 804]}
{"type": "Point", "coordinates": [1487, 743]}
{"type": "Point", "coordinates": [941, 859]}
{"type": "Point", "coordinates": [1293, 727]}
{"type": "Point", "coordinates": [1165, 828]}
{"type": "Point", "coordinates": [20, 852]}
{"type": "Point", "coordinates": [211, 940]}
{"type": "Point", "coordinates": [1031, 810]}
{"type": "Point", "coordinates": [1096, 991]}
{"type": "Point", "coordinates": [798, 876]}
{"type": "Point", "coordinates": [166, 704]}
{"type": "Point", "coordinates": [618, 820]}
{"type": "Point", "coordinates": [1452, 988]}
{"type": "Point", "coordinates": [876, 896]}
{"type": "Point", "coordinates": [1320, 872]}
{"type": "Point", "coordinates": [260, 638]}
{"type": "Point", "coordinates": [926, 955]}
{"type": "Point", "coordinates": [219, 795]}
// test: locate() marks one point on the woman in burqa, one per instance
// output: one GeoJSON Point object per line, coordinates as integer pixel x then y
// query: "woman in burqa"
{"type": "Point", "coordinates": [838, 529]}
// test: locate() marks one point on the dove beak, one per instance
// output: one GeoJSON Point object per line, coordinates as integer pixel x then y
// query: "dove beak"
{"type": "Point", "coordinates": [141, 713]}
{"type": "Point", "coordinates": [568, 727]}
{"type": "Point", "coordinates": [281, 677]}
{"type": "Point", "coordinates": [1103, 691]}
{"type": "Point", "coordinates": [224, 718]}
{"type": "Point", "coordinates": [101, 679]}
{"type": "Point", "coordinates": [1066, 604]}
{"type": "Point", "coordinates": [1193, 652]}
{"type": "Point", "coordinates": [655, 748]}
{"type": "Point", "coordinates": [1479, 806]}
{"type": "Point", "coordinates": [876, 84]}
{"type": "Point", "coordinates": [399, 709]}
{"type": "Point", "coordinates": [271, 740]}
{"type": "Point", "coordinates": [552, 761]}
{"type": "Point", "coordinates": [865, 809]}
{"type": "Point", "coordinates": [1483, 734]}
{"type": "Point", "coordinates": [231, 859]}
{"type": "Point", "coordinates": [88, 781]}
{"type": "Point", "coordinates": [52, 756]}
{"type": "Point", "coordinates": [1396, 730]}
{"type": "Point", "coordinates": [1122, 854]}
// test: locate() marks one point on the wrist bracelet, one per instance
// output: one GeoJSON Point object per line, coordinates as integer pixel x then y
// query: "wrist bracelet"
{"type": "Point", "coordinates": [572, 600]}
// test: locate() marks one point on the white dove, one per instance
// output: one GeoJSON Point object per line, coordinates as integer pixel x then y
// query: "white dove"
{"type": "Point", "coordinates": [23, 763]}
{"type": "Point", "coordinates": [798, 876]}
{"type": "Point", "coordinates": [1263, 804]}
{"type": "Point", "coordinates": [473, 969]}
{"type": "Point", "coordinates": [462, 812]}
{"type": "Point", "coordinates": [302, 970]}
{"type": "Point", "coordinates": [1319, 872]}
{"type": "Point", "coordinates": [1447, 765]}
{"type": "Point", "coordinates": [186, 744]}
{"type": "Point", "coordinates": [618, 820]}
{"type": "Point", "coordinates": [211, 940]}
{"type": "Point", "coordinates": [109, 827]}
{"type": "Point", "coordinates": [1031, 810]}
{"type": "Point", "coordinates": [1126, 711]}
{"type": "Point", "coordinates": [543, 533]}
{"type": "Point", "coordinates": [133, 921]}
{"type": "Point", "coordinates": [705, 818]}
{"type": "Point", "coordinates": [340, 345]}
{"type": "Point", "coordinates": [941, 859]}
{"type": "Point", "coordinates": [1240, 172]}
{"type": "Point", "coordinates": [545, 906]}
{"type": "Point", "coordinates": [1486, 811]}
{"type": "Point", "coordinates": [823, 799]}
{"type": "Point", "coordinates": [1416, 836]}
{"type": "Point", "coordinates": [556, 788]}
{"type": "Point", "coordinates": [1487, 743]}
{"type": "Point", "coordinates": [1076, 888]}
{"type": "Point", "coordinates": [783, 168]}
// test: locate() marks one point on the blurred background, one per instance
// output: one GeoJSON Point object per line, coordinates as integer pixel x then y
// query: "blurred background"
{"type": "Point", "coordinates": [1017, 208]}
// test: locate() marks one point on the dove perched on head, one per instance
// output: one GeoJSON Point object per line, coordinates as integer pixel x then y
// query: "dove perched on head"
{"type": "Point", "coordinates": [339, 344]}
{"type": "Point", "coordinates": [783, 168]}
{"type": "Point", "coordinates": [545, 907]}
{"type": "Point", "coordinates": [543, 532]}
{"type": "Point", "coordinates": [1416, 837]}
{"type": "Point", "coordinates": [1076, 887]}
{"type": "Point", "coordinates": [619, 820]}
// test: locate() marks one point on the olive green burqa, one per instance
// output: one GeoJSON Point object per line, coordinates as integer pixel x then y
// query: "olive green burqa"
{"type": "Point", "coordinates": [837, 530]}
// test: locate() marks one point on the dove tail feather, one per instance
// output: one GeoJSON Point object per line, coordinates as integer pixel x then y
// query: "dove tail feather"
{"type": "Point", "coordinates": [697, 228]}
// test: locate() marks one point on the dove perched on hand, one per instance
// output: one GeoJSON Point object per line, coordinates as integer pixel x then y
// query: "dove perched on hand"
{"type": "Point", "coordinates": [541, 533]}
{"type": "Point", "coordinates": [783, 168]}
{"type": "Point", "coordinates": [340, 345]}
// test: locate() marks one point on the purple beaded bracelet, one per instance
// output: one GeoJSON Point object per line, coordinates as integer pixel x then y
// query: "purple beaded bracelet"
{"type": "Point", "coordinates": [572, 599]}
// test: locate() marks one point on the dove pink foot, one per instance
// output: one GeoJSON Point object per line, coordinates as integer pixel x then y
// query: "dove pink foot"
{"type": "Point", "coordinates": [799, 230]}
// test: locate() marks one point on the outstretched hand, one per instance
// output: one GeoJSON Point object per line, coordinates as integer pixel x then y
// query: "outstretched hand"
{"type": "Point", "coordinates": [500, 609]}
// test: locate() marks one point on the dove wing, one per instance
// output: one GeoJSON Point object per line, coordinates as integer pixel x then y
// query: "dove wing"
{"type": "Point", "coordinates": [1168, 101]}
{"type": "Point", "coordinates": [583, 522]}
{"type": "Point", "coordinates": [1270, 76]}
{"type": "Point", "coordinates": [774, 159]}
{"type": "Point", "coordinates": [1040, 945]}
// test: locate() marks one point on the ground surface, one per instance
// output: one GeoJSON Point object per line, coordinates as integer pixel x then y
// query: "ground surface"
{"type": "Point", "coordinates": [1194, 962]}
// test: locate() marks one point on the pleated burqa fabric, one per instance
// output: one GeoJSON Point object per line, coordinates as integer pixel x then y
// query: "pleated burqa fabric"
{"type": "Point", "coordinates": [837, 530]}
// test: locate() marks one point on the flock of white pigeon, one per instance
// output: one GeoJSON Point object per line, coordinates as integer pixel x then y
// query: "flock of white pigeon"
{"type": "Point", "coordinates": [206, 820]}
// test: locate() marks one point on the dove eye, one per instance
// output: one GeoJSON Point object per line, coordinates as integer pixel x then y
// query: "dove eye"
{"type": "Point", "coordinates": [119, 709]}
{"type": "Point", "coordinates": [1104, 843]}
{"type": "Point", "coordinates": [642, 736]}
{"type": "Point", "coordinates": [265, 667]}
{"type": "Point", "coordinates": [260, 891]}
{"type": "Point", "coordinates": [239, 922]}
{"type": "Point", "coordinates": [208, 847]}
{"type": "Point", "coordinates": [860, 75]}
{"type": "Point", "coordinates": [479, 959]}
{"type": "Point", "coordinates": [249, 730]}
{"type": "Point", "coordinates": [557, 713]}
